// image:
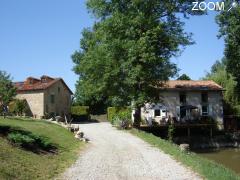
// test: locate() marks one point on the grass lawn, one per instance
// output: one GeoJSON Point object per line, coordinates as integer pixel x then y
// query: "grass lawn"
{"type": "Point", "coordinates": [17, 163]}
{"type": "Point", "coordinates": [206, 168]}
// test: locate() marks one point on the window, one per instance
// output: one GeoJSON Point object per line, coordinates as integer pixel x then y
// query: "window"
{"type": "Point", "coordinates": [183, 112]}
{"type": "Point", "coordinates": [157, 112]}
{"type": "Point", "coordinates": [59, 89]}
{"type": "Point", "coordinates": [204, 110]}
{"type": "Point", "coordinates": [183, 98]}
{"type": "Point", "coordinates": [52, 98]}
{"type": "Point", "coordinates": [204, 97]}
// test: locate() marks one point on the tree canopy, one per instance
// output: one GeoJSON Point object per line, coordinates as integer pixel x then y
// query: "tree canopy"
{"type": "Point", "coordinates": [127, 52]}
{"type": "Point", "coordinates": [229, 23]}
{"type": "Point", "coordinates": [184, 77]}
{"type": "Point", "coordinates": [7, 90]}
{"type": "Point", "coordinates": [220, 75]}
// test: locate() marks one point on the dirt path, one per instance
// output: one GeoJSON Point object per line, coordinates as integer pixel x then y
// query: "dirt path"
{"type": "Point", "coordinates": [113, 154]}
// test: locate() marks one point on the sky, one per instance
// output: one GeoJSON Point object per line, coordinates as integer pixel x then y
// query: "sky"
{"type": "Point", "coordinates": [38, 38]}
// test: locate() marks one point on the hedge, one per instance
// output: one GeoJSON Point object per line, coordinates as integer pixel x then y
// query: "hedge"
{"type": "Point", "coordinates": [112, 111]}
{"type": "Point", "coordinates": [80, 113]}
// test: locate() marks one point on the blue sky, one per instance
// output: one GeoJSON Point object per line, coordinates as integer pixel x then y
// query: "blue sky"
{"type": "Point", "coordinates": [38, 37]}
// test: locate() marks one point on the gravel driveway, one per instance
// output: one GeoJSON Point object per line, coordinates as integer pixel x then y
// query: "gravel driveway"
{"type": "Point", "coordinates": [114, 154]}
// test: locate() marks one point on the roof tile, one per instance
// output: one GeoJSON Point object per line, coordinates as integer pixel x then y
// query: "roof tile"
{"type": "Point", "coordinates": [37, 84]}
{"type": "Point", "coordinates": [192, 85]}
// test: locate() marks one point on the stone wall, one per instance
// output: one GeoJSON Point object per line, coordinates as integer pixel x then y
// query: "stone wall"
{"type": "Point", "coordinates": [35, 100]}
{"type": "Point", "coordinates": [62, 100]}
{"type": "Point", "coordinates": [171, 100]}
{"type": "Point", "coordinates": [40, 101]}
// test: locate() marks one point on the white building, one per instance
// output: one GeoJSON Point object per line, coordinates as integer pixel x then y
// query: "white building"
{"type": "Point", "coordinates": [184, 101]}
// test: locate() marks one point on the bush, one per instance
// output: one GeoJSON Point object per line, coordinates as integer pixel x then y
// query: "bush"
{"type": "Point", "coordinates": [80, 110]}
{"type": "Point", "coordinates": [19, 107]}
{"type": "Point", "coordinates": [1, 110]}
{"type": "Point", "coordinates": [122, 119]}
{"type": "Point", "coordinates": [171, 130]}
{"type": "Point", "coordinates": [80, 113]}
{"type": "Point", "coordinates": [20, 139]}
{"type": "Point", "coordinates": [112, 111]}
{"type": "Point", "coordinates": [28, 140]}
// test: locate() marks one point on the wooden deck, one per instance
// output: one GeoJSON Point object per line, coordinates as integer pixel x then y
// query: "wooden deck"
{"type": "Point", "coordinates": [183, 126]}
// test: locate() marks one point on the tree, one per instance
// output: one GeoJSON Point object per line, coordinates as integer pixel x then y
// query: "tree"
{"type": "Point", "coordinates": [127, 52]}
{"type": "Point", "coordinates": [228, 22]}
{"type": "Point", "coordinates": [220, 75]}
{"type": "Point", "coordinates": [20, 106]}
{"type": "Point", "coordinates": [184, 77]}
{"type": "Point", "coordinates": [7, 90]}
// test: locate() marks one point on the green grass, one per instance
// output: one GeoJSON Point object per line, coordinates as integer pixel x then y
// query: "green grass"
{"type": "Point", "coordinates": [206, 168]}
{"type": "Point", "coordinates": [17, 163]}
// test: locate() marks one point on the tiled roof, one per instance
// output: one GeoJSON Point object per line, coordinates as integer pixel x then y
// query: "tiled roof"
{"type": "Point", "coordinates": [33, 84]}
{"type": "Point", "coordinates": [192, 85]}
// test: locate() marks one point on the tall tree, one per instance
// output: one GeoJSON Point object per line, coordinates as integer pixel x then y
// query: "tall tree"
{"type": "Point", "coordinates": [222, 77]}
{"type": "Point", "coordinates": [229, 23]}
{"type": "Point", "coordinates": [184, 77]}
{"type": "Point", "coordinates": [127, 52]}
{"type": "Point", "coordinates": [7, 90]}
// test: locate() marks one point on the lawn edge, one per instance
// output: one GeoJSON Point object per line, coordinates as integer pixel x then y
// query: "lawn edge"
{"type": "Point", "coordinates": [76, 152]}
{"type": "Point", "coordinates": [205, 168]}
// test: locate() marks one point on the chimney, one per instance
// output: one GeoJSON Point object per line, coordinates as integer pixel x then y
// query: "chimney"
{"type": "Point", "coordinates": [31, 80]}
{"type": "Point", "coordinates": [46, 79]}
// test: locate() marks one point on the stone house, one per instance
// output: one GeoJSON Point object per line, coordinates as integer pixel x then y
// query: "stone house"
{"type": "Point", "coordinates": [186, 101]}
{"type": "Point", "coordinates": [46, 96]}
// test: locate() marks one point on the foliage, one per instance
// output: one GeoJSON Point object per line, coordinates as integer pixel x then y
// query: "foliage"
{"type": "Point", "coordinates": [18, 107]}
{"type": "Point", "coordinates": [171, 130]}
{"type": "Point", "coordinates": [80, 113]}
{"type": "Point", "coordinates": [96, 106]}
{"type": "Point", "coordinates": [122, 119]}
{"type": "Point", "coordinates": [20, 139]}
{"type": "Point", "coordinates": [7, 90]}
{"type": "Point", "coordinates": [228, 22]}
{"type": "Point", "coordinates": [112, 111]}
{"type": "Point", "coordinates": [206, 168]}
{"type": "Point", "coordinates": [17, 163]}
{"type": "Point", "coordinates": [29, 140]}
{"type": "Point", "coordinates": [220, 75]}
{"type": "Point", "coordinates": [80, 110]}
{"type": "Point", "coordinates": [184, 77]}
{"type": "Point", "coordinates": [128, 50]}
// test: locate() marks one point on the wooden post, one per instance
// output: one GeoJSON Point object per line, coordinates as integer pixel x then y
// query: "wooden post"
{"type": "Point", "coordinates": [188, 132]}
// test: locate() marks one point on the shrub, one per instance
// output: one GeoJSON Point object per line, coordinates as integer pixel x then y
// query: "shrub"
{"type": "Point", "coordinates": [80, 112]}
{"type": "Point", "coordinates": [29, 140]}
{"type": "Point", "coordinates": [122, 119]}
{"type": "Point", "coordinates": [20, 139]}
{"type": "Point", "coordinates": [18, 107]}
{"type": "Point", "coordinates": [112, 111]}
{"type": "Point", "coordinates": [1, 110]}
{"type": "Point", "coordinates": [171, 130]}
